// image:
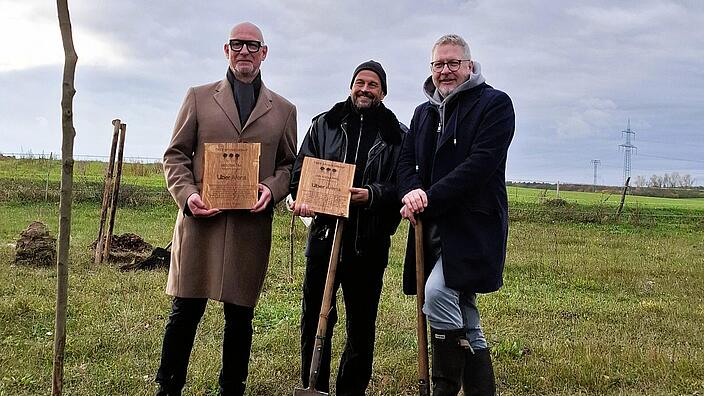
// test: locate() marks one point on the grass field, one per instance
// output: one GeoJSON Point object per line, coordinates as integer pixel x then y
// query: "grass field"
{"type": "Point", "coordinates": [587, 309]}
{"type": "Point", "coordinates": [37, 172]}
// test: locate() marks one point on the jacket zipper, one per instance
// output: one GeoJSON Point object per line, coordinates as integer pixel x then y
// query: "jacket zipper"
{"type": "Point", "coordinates": [356, 154]}
{"type": "Point", "coordinates": [344, 159]}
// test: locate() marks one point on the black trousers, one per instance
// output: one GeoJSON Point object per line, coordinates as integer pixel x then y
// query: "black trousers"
{"type": "Point", "coordinates": [361, 278]}
{"type": "Point", "coordinates": [178, 342]}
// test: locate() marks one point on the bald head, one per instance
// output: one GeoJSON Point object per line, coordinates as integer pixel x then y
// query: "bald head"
{"type": "Point", "coordinates": [247, 29]}
{"type": "Point", "coordinates": [245, 51]}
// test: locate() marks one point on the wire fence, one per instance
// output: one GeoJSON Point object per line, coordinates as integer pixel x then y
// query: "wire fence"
{"type": "Point", "coordinates": [78, 157]}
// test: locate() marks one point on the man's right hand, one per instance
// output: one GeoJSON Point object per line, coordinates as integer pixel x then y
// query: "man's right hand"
{"type": "Point", "coordinates": [302, 210]}
{"type": "Point", "coordinates": [408, 214]}
{"type": "Point", "coordinates": [415, 200]}
{"type": "Point", "coordinates": [198, 207]}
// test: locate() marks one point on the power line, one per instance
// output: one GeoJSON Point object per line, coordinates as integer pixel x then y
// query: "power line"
{"type": "Point", "coordinates": [672, 158]}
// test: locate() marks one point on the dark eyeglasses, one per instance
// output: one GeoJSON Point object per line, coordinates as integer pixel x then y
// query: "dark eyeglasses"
{"type": "Point", "coordinates": [453, 65]}
{"type": "Point", "coordinates": [252, 45]}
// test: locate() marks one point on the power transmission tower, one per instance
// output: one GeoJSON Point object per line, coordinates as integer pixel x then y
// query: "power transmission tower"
{"type": "Point", "coordinates": [628, 147]}
{"type": "Point", "coordinates": [596, 163]}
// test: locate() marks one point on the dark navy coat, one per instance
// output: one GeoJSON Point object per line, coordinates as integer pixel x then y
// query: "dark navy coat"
{"type": "Point", "coordinates": [464, 178]}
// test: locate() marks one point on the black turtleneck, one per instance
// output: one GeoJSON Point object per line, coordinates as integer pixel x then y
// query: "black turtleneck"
{"type": "Point", "coordinates": [245, 94]}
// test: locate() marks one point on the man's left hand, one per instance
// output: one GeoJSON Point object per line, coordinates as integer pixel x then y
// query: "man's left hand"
{"type": "Point", "coordinates": [264, 199]}
{"type": "Point", "coordinates": [360, 196]}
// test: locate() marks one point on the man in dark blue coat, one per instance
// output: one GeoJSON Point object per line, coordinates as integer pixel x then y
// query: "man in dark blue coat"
{"type": "Point", "coordinates": [451, 173]}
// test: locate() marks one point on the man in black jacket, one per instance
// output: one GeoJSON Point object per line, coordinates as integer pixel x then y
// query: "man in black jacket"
{"type": "Point", "coordinates": [451, 173]}
{"type": "Point", "coordinates": [360, 131]}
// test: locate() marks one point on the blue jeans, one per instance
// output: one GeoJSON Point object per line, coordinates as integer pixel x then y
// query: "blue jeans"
{"type": "Point", "coordinates": [449, 309]}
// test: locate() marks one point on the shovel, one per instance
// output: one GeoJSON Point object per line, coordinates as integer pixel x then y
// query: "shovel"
{"type": "Point", "coordinates": [421, 328]}
{"type": "Point", "coordinates": [323, 320]}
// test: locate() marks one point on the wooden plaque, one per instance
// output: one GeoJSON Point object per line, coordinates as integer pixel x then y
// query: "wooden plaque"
{"type": "Point", "coordinates": [231, 175]}
{"type": "Point", "coordinates": [325, 186]}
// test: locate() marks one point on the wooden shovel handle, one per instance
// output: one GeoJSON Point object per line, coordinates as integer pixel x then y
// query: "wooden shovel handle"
{"type": "Point", "coordinates": [327, 303]}
{"type": "Point", "coordinates": [421, 327]}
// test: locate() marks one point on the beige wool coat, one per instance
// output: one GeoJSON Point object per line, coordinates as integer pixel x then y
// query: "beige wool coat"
{"type": "Point", "coordinates": [225, 257]}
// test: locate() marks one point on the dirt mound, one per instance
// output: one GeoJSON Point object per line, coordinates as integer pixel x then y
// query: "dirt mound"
{"type": "Point", "coordinates": [129, 243]}
{"type": "Point", "coordinates": [35, 247]}
{"type": "Point", "coordinates": [127, 247]}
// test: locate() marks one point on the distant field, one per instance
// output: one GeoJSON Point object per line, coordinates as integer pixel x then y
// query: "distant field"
{"type": "Point", "coordinates": [36, 172]}
{"type": "Point", "coordinates": [534, 195]}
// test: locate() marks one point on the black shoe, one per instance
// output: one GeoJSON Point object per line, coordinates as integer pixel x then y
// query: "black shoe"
{"type": "Point", "coordinates": [165, 391]}
{"type": "Point", "coordinates": [478, 377]}
{"type": "Point", "coordinates": [235, 391]}
{"type": "Point", "coordinates": [448, 360]}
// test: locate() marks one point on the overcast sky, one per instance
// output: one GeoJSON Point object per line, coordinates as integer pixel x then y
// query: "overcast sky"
{"type": "Point", "coordinates": [576, 71]}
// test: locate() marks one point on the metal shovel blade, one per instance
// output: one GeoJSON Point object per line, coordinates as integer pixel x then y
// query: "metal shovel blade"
{"type": "Point", "coordinates": [308, 392]}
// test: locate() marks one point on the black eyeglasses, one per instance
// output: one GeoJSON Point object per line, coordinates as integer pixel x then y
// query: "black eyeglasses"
{"type": "Point", "coordinates": [453, 65]}
{"type": "Point", "coordinates": [252, 45]}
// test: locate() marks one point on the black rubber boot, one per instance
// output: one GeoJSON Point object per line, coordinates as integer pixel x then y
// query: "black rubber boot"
{"type": "Point", "coordinates": [448, 360]}
{"type": "Point", "coordinates": [478, 377]}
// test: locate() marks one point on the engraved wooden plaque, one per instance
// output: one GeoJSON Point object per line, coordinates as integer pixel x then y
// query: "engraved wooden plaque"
{"type": "Point", "coordinates": [325, 186]}
{"type": "Point", "coordinates": [231, 175]}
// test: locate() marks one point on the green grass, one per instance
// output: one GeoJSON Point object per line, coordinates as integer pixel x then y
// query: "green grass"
{"type": "Point", "coordinates": [137, 173]}
{"type": "Point", "coordinates": [587, 308]}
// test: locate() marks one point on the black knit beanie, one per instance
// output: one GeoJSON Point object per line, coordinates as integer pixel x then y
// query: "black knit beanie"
{"type": "Point", "coordinates": [376, 68]}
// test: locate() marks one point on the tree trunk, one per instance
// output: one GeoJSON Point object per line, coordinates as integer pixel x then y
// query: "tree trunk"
{"type": "Point", "coordinates": [68, 132]}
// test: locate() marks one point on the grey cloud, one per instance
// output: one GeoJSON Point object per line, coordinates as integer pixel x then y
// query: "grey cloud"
{"type": "Point", "coordinates": [575, 71]}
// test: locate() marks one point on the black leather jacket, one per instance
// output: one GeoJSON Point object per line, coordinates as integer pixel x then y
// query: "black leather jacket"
{"type": "Point", "coordinates": [327, 139]}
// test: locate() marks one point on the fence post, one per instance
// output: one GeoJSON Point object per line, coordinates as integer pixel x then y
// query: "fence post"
{"type": "Point", "coordinates": [48, 170]}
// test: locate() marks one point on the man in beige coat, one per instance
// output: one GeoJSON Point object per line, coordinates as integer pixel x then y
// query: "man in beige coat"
{"type": "Point", "coordinates": [223, 255]}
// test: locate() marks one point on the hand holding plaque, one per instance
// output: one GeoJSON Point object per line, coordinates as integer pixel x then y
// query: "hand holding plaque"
{"type": "Point", "coordinates": [231, 175]}
{"type": "Point", "coordinates": [325, 186]}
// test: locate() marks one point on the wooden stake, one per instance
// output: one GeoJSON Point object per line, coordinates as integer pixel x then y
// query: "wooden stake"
{"type": "Point", "coordinates": [292, 239]}
{"type": "Point", "coordinates": [115, 193]}
{"type": "Point", "coordinates": [68, 133]}
{"type": "Point", "coordinates": [623, 199]}
{"type": "Point", "coordinates": [106, 193]}
{"type": "Point", "coordinates": [48, 171]}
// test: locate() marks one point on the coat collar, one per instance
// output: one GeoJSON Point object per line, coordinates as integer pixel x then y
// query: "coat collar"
{"type": "Point", "coordinates": [224, 98]}
{"type": "Point", "coordinates": [389, 126]}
